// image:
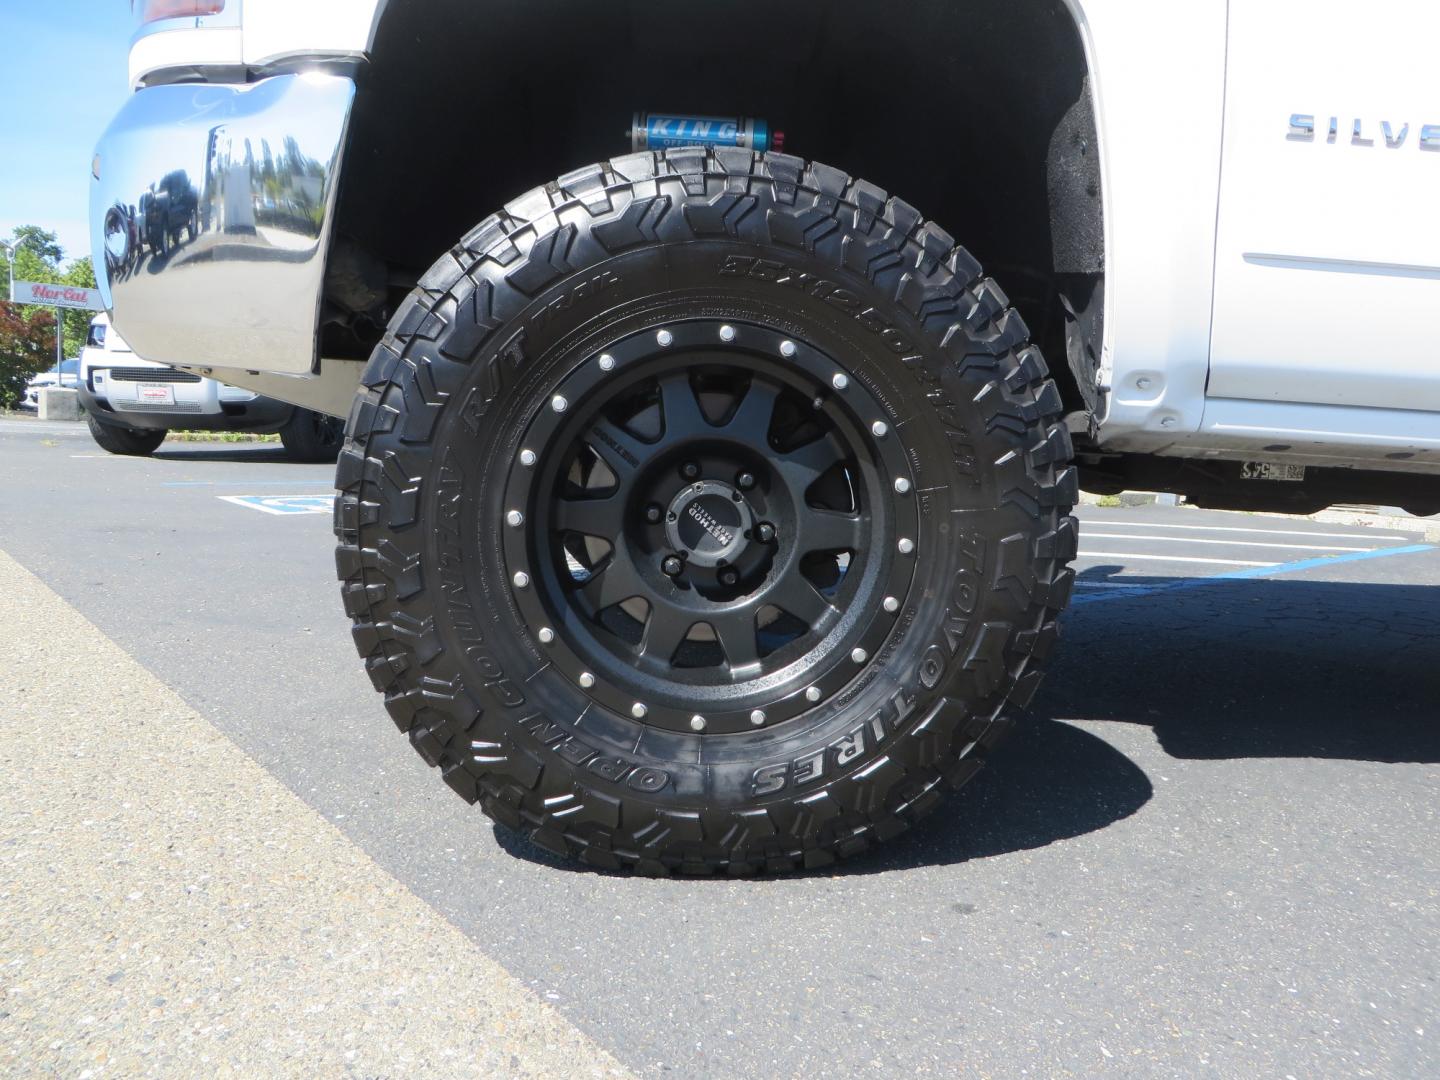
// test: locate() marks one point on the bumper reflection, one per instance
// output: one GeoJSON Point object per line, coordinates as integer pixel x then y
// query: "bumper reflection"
{"type": "Point", "coordinates": [211, 217]}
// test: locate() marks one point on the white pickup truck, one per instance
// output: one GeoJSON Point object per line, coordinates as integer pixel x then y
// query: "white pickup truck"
{"type": "Point", "coordinates": [704, 508]}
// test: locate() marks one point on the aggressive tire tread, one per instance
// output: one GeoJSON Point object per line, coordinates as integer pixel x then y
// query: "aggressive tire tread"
{"type": "Point", "coordinates": [455, 314]}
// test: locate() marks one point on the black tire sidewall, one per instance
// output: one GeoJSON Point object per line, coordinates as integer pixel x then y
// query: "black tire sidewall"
{"type": "Point", "coordinates": [660, 285]}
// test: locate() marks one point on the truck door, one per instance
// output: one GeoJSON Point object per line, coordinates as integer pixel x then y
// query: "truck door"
{"type": "Point", "coordinates": [1327, 278]}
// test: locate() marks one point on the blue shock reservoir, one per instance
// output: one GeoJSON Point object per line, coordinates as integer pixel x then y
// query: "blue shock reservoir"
{"type": "Point", "coordinates": [664, 131]}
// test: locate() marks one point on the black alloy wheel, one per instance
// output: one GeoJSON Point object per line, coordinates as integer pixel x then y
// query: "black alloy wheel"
{"type": "Point", "coordinates": [711, 527]}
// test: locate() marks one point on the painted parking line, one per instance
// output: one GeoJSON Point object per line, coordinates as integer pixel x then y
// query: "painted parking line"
{"type": "Point", "coordinates": [248, 483]}
{"type": "Point", "coordinates": [1089, 522]}
{"type": "Point", "coordinates": [1171, 558]}
{"type": "Point", "coordinates": [283, 505]}
{"type": "Point", "coordinates": [1300, 566]}
{"type": "Point", "coordinates": [1090, 532]}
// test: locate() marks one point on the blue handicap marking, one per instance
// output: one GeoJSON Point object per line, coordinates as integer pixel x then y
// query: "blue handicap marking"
{"type": "Point", "coordinates": [283, 504]}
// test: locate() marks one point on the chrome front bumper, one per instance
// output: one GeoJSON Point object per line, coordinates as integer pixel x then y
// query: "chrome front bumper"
{"type": "Point", "coordinates": [210, 217]}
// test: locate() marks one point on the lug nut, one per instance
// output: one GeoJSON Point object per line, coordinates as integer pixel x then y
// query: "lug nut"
{"type": "Point", "coordinates": [527, 458]}
{"type": "Point", "coordinates": [653, 513]}
{"type": "Point", "coordinates": [638, 711]}
{"type": "Point", "coordinates": [902, 485]}
{"type": "Point", "coordinates": [697, 723]}
{"type": "Point", "coordinates": [812, 693]}
{"type": "Point", "coordinates": [840, 380]}
{"type": "Point", "coordinates": [727, 333]}
{"type": "Point", "coordinates": [689, 470]}
{"type": "Point", "coordinates": [906, 545]}
{"type": "Point", "coordinates": [665, 338]}
{"type": "Point", "coordinates": [729, 578]}
{"type": "Point", "coordinates": [514, 519]}
{"type": "Point", "coordinates": [746, 481]}
{"type": "Point", "coordinates": [559, 404]}
{"type": "Point", "coordinates": [607, 362]}
{"type": "Point", "coordinates": [672, 566]}
{"type": "Point", "coordinates": [879, 429]}
{"type": "Point", "coordinates": [546, 635]}
{"type": "Point", "coordinates": [587, 680]}
{"type": "Point", "coordinates": [859, 655]}
{"type": "Point", "coordinates": [892, 605]}
{"type": "Point", "coordinates": [765, 532]}
{"type": "Point", "coordinates": [521, 579]}
{"type": "Point", "coordinates": [757, 718]}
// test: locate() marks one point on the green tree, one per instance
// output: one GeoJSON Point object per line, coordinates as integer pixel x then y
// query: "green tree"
{"type": "Point", "coordinates": [27, 333]}
{"type": "Point", "coordinates": [77, 323]}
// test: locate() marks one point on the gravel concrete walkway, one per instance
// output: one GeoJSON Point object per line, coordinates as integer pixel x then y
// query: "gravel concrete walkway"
{"type": "Point", "coordinates": [168, 908]}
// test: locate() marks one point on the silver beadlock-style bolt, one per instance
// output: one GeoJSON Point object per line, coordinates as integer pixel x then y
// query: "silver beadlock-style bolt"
{"type": "Point", "coordinates": [787, 349]}
{"type": "Point", "coordinates": [638, 711]}
{"type": "Point", "coordinates": [892, 605]}
{"type": "Point", "coordinates": [697, 723]}
{"type": "Point", "coordinates": [727, 333]}
{"type": "Point", "coordinates": [879, 429]}
{"type": "Point", "coordinates": [521, 579]}
{"type": "Point", "coordinates": [757, 718]}
{"type": "Point", "coordinates": [514, 519]}
{"type": "Point", "coordinates": [546, 635]}
{"type": "Point", "coordinates": [559, 404]}
{"type": "Point", "coordinates": [587, 680]}
{"type": "Point", "coordinates": [902, 485]}
{"type": "Point", "coordinates": [665, 338]}
{"type": "Point", "coordinates": [906, 545]}
{"type": "Point", "coordinates": [607, 362]}
{"type": "Point", "coordinates": [840, 380]}
{"type": "Point", "coordinates": [859, 655]}
{"type": "Point", "coordinates": [812, 693]}
{"type": "Point", "coordinates": [527, 458]}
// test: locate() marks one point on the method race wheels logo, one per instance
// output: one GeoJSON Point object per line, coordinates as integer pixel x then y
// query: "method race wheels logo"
{"type": "Point", "coordinates": [723, 536]}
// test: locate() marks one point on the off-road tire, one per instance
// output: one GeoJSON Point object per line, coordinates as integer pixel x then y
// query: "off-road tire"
{"type": "Point", "coordinates": [312, 437]}
{"type": "Point", "coordinates": [472, 357]}
{"type": "Point", "coordinates": [129, 442]}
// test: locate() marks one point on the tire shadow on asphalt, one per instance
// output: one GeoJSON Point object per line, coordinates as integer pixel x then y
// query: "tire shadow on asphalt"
{"type": "Point", "coordinates": [1282, 668]}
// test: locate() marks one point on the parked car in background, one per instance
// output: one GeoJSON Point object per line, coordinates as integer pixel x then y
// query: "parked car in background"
{"type": "Point", "coordinates": [69, 377]}
{"type": "Point", "coordinates": [132, 404]}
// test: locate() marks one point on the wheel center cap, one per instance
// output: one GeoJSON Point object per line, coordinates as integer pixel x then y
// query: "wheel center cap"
{"type": "Point", "coordinates": [709, 521]}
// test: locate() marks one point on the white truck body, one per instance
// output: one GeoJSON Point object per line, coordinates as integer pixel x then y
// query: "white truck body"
{"type": "Point", "coordinates": [1271, 262]}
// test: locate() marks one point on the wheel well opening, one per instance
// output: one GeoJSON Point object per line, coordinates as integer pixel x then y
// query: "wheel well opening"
{"type": "Point", "coordinates": [977, 114]}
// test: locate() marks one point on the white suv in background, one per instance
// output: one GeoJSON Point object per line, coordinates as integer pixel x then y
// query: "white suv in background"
{"type": "Point", "coordinates": [131, 404]}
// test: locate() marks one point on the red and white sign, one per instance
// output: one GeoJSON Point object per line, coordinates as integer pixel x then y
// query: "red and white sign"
{"type": "Point", "coordinates": [66, 296]}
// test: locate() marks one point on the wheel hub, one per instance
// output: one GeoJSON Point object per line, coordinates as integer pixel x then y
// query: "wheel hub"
{"type": "Point", "coordinates": [710, 524]}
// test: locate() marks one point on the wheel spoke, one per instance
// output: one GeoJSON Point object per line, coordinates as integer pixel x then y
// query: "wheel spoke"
{"type": "Point", "coordinates": [826, 530]}
{"type": "Point", "coordinates": [794, 595]}
{"type": "Point", "coordinates": [620, 450]}
{"type": "Point", "coordinates": [736, 631]}
{"type": "Point", "coordinates": [681, 407]}
{"type": "Point", "coordinates": [751, 422]}
{"type": "Point", "coordinates": [615, 582]}
{"type": "Point", "coordinates": [804, 465]}
{"type": "Point", "coordinates": [666, 628]}
{"type": "Point", "coordinates": [601, 517]}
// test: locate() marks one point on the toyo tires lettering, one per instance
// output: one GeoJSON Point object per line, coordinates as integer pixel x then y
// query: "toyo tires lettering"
{"type": "Point", "coordinates": [822, 289]}
{"type": "Point", "coordinates": [883, 723]}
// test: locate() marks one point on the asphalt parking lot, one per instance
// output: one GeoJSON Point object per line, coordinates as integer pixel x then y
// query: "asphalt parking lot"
{"type": "Point", "coordinates": [1210, 848]}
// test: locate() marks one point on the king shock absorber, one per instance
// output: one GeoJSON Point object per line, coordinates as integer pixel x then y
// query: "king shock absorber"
{"type": "Point", "coordinates": [663, 131]}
